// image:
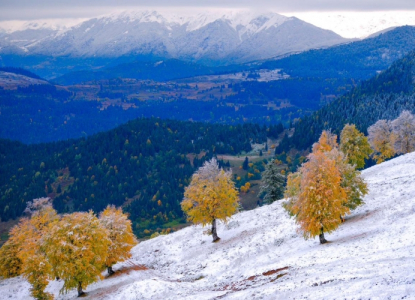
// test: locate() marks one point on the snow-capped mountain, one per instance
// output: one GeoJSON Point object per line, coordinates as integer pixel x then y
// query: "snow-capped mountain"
{"type": "Point", "coordinates": [229, 37]}
{"type": "Point", "coordinates": [358, 24]}
{"type": "Point", "coordinates": [261, 256]}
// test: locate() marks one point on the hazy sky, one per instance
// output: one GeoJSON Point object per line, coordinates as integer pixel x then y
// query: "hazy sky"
{"type": "Point", "coordinates": [39, 9]}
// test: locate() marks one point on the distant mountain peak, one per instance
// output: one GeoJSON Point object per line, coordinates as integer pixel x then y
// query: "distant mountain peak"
{"type": "Point", "coordinates": [212, 36]}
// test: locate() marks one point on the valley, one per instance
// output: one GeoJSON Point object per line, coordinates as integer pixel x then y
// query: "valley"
{"type": "Point", "coordinates": [257, 130]}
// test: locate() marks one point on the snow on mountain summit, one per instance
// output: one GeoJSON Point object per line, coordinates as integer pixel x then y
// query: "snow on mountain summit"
{"type": "Point", "coordinates": [224, 37]}
{"type": "Point", "coordinates": [254, 21]}
{"type": "Point", "coordinates": [261, 256]}
{"type": "Point", "coordinates": [358, 24]}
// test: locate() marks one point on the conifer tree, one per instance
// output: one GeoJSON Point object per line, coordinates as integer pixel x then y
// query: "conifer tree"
{"type": "Point", "coordinates": [210, 196]}
{"type": "Point", "coordinates": [120, 234]}
{"type": "Point", "coordinates": [77, 248]}
{"type": "Point", "coordinates": [272, 183]}
{"type": "Point", "coordinates": [245, 163]}
{"type": "Point", "coordinates": [355, 146]}
{"type": "Point", "coordinates": [382, 140]}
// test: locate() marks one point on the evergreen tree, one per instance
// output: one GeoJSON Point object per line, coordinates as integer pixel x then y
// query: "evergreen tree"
{"type": "Point", "coordinates": [210, 196]}
{"type": "Point", "coordinates": [120, 234]}
{"type": "Point", "coordinates": [272, 183]}
{"type": "Point", "coordinates": [245, 164]}
{"type": "Point", "coordinates": [355, 146]}
{"type": "Point", "coordinates": [77, 248]}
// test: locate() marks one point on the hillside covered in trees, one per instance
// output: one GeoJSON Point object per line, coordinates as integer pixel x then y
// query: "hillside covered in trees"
{"type": "Point", "coordinates": [142, 166]}
{"type": "Point", "coordinates": [382, 97]}
{"type": "Point", "coordinates": [358, 60]}
{"type": "Point", "coordinates": [262, 256]}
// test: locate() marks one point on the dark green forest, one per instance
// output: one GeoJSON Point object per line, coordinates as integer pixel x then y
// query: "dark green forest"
{"type": "Point", "coordinates": [142, 166]}
{"type": "Point", "coordinates": [383, 97]}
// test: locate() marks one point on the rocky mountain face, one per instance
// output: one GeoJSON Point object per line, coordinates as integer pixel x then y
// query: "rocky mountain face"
{"type": "Point", "coordinates": [227, 38]}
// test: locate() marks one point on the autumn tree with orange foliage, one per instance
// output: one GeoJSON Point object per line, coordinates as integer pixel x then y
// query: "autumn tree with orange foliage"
{"type": "Point", "coordinates": [25, 247]}
{"type": "Point", "coordinates": [10, 263]}
{"type": "Point", "coordinates": [77, 247]}
{"type": "Point", "coordinates": [324, 189]}
{"type": "Point", "coordinates": [320, 203]}
{"type": "Point", "coordinates": [121, 235]}
{"type": "Point", "coordinates": [210, 196]}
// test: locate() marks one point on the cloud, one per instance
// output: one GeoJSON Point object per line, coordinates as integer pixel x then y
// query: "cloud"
{"type": "Point", "coordinates": [36, 9]}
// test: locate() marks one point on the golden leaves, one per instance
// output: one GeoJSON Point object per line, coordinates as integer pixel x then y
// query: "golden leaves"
{"type": "Point", "coordinates": [210, 195]}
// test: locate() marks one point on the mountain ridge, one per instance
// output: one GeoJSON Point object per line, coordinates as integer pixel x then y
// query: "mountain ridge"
{"type": "Point", "coordinates": [226, 38]}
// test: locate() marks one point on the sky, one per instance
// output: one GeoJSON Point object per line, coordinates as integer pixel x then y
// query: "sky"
{"type": "Point", "coordinates": [41, 9]}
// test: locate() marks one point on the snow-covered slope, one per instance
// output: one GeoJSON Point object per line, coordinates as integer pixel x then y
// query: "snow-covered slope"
{"type": "Point", "coordinates": [11, 80]}
{"type": "Point", "coordinates": [260, 255]}
{"type": "Point", "coordinates": [228, 37]}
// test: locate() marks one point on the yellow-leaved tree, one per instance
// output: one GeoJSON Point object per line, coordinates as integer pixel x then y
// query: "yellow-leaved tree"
{"type": "Point", "coordinates": [210, 196]}
{"type": "Point", "coordinates": [121, 235]}
{"type": "Point", "coordinates": [292, 191]}
{"type": "Point", "coordinates": [77, 247]}
{"type": "Point", "coordinates": [355, 146]}
{"type": "Point", "coordinates": [26, 240]}
{"type": "Point", "coordinates": [321, 199]}
{"type": "Point", "coordinates": [326, 142]}
{"type": "Point", "coordinates": [10, 263]}
{"type": "Point", "coordinates": [351, 179]}
{"type": "Point", "coordinates": [324, 189]}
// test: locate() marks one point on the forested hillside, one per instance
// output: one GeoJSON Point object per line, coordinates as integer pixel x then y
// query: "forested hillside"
{"type": "Point", "coordinates": [358, 60]}
{"type": "Point", "coordinates": [382, 97]}
{"type": "Point", "coordinates": [142, 166]}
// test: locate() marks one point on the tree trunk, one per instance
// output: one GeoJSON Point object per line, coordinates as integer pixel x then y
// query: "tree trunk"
{"type": "Point", "coordinates": [214, 233]}
{"type": "Point", "coordinates": [321, 236]}
{"type": "Point", "coordinates": [110, 270]}
{"type": "Point", "coordinates": [80, 291]}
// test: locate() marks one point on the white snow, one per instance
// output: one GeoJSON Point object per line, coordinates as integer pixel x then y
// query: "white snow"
{"type": "Point", "coordinates": [227, 36]}
{"type": "Point", "coordinates": [51, 24]}
{"type": "Point", "coordinates": [260, 255]}
{"type": "Point", "coordinates": [357, 24]}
